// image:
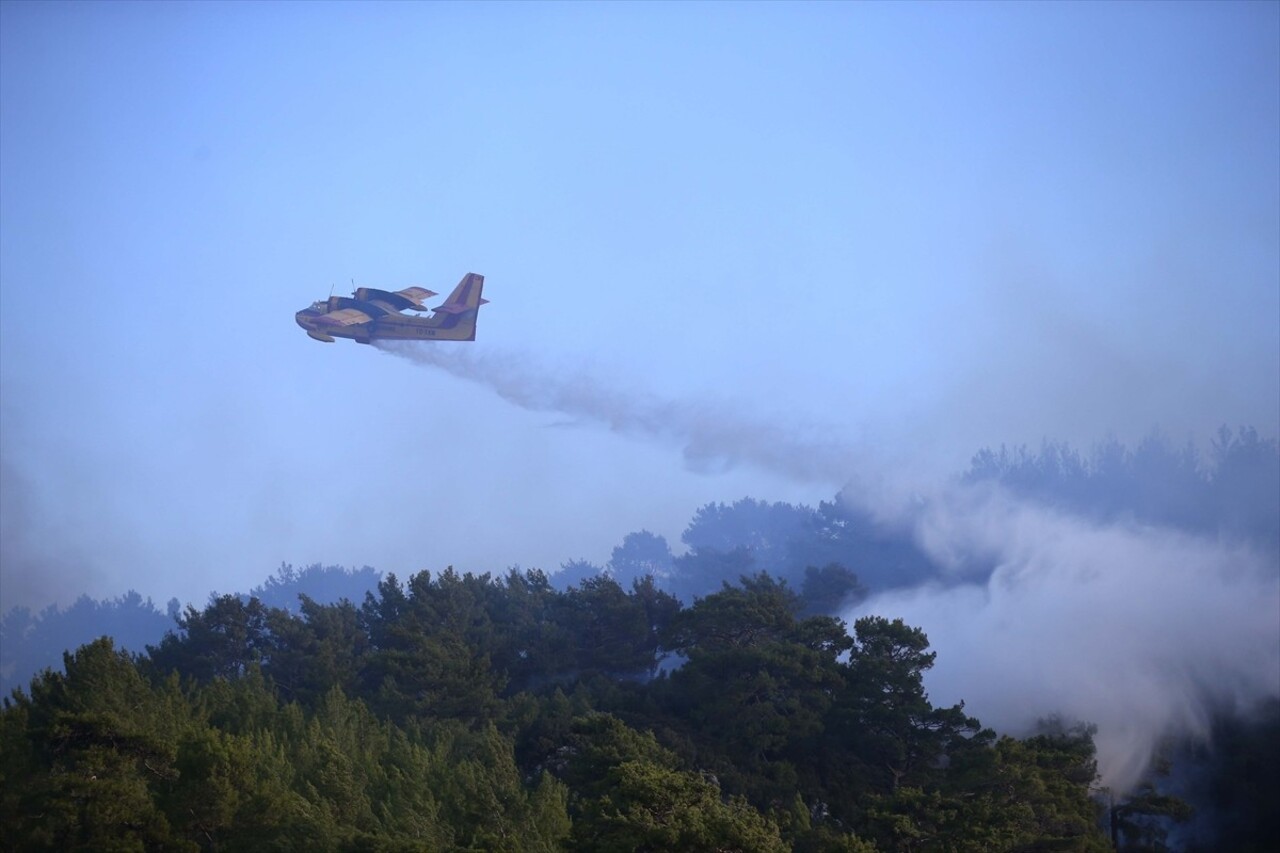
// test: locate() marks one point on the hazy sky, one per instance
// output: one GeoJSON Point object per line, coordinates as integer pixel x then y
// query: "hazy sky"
{"type": "Point", "coordinates": [744, 236]}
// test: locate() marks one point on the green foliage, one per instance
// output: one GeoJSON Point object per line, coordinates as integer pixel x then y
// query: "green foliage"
{"type": "Point", "coordinates": [611, 629]}
{"type": "Point", "coordinates": [897, 737]}
{"type": "Point", "coordinates": [430, 649]}
{"type": "Point", "coordinates": [600, 742]}
{"type": "Point", "coordinates": [464, 712]}
{"type": "Point", "coordinates": [751, 661]}
{"type": "Point", "coordinates": [222, 640]}
{"type": "Point", "coordinates": [317, 650]}
{"type": "Point", "coordinates": [641, 554]}
{"type": "Point", "coordinates": [99, 740]}
{"type": "Point", "coordinates": [483, 799]}
{"type": "Point", "coordinates": [760, 608]}
{"type": "Point", "coordinates": [830, 589]}
{"type": "Point", "coordinates": [647, 807]}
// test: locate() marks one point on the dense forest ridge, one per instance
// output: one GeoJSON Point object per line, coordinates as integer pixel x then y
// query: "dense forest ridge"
{"type": "Point", "coordinates": [643, 679]}
{"type": "Point", "coordinates": [474, 713]}
{"type": "Point", "coordinates": [464, 712]}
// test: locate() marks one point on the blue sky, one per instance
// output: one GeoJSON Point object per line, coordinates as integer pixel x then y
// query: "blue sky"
{"type": "Point", "coordinates": [907, 230]}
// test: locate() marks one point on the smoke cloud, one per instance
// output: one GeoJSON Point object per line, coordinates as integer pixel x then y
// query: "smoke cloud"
{"type": "Point", "coordinates": [1143, 631]}
{"type": "Point", "coordinates": [40, 563]}
{"type": "Point", "coordinates": [712, 435]}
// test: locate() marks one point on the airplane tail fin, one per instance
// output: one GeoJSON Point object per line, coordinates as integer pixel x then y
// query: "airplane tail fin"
{"type": "Point", "coordinates": [459, 311]}
{"type": "Point", "coordinates": [466, 296]}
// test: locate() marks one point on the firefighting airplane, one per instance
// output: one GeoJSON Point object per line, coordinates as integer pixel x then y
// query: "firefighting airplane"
{"type": "Point", "coordinates": [374, 315]}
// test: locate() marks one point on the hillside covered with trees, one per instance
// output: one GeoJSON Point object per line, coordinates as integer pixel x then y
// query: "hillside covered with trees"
{"type": "Point", "coordinates": [464, 712]}
{"type": "Point", "coordinates": [710, 700]}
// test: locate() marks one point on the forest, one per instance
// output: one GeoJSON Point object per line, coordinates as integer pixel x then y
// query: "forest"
{"type": "Point", "coordinates": [714, 700]}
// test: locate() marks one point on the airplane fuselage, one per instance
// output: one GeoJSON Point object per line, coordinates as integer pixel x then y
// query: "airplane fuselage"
{"type": "Point", "coordinates": [389, 326]}
{"type": "Point", "coordinates": [372, 314]}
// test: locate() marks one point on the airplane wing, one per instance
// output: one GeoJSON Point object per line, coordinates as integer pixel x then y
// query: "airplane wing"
{"type": "Point", "coordinates": [417, 295]}
{"type": "Point", "coordinates": [343, 317]}
{"type": "Point", "coordinates": [410, 297]}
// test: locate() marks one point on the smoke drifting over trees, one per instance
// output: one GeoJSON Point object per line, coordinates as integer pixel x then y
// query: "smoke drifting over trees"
{"type": "Point", "coordinates": [388, 722]}
{"type": "Point", "coordinates": [1133, 591]}
{"type": "Point", "coordinates": [1138, 589]}
{"type": "Point", "coordinates": [1145, 632]}
{"type": "Point", "coordinates": [830, 249]}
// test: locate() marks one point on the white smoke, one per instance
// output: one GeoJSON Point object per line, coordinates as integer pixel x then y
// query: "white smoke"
{"type": "Point", "coordinates": [1142, 631]}
{"type": "Point", "coordinates": [712, 434]}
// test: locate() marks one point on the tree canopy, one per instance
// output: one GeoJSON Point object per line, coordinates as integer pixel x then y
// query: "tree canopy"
{"type": "Point", "coordinates": [473, 712]}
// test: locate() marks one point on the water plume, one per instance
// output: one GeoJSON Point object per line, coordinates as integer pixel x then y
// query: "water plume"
{"type": "Point", "coordinates": [713, 435]}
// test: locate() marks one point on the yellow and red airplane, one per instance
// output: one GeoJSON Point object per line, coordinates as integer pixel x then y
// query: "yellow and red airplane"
{"type": "Point", "coordinates": [373, 315]}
